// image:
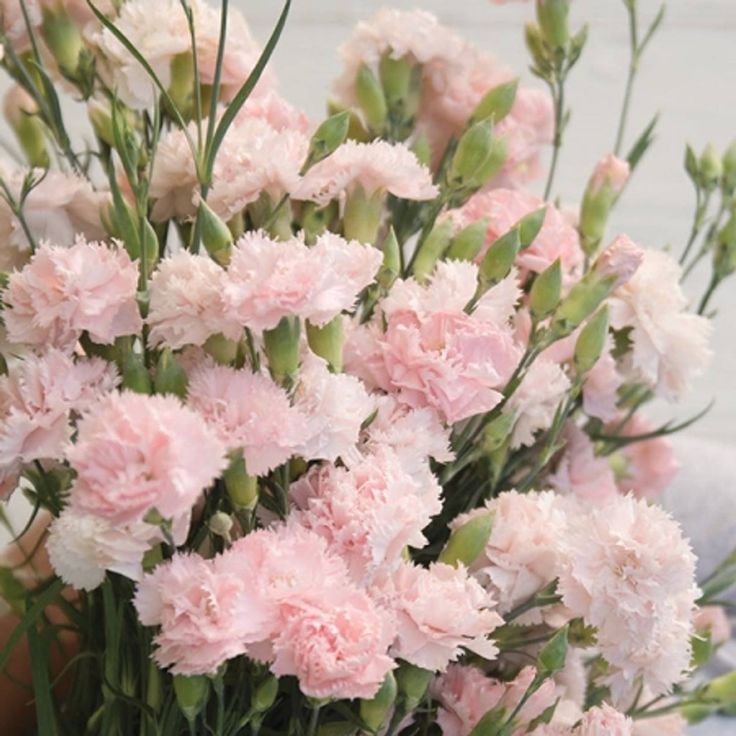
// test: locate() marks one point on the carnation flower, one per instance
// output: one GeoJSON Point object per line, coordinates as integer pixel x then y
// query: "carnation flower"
{"type": "Point", "coordinates": [63, 292]}
{"type": "Point", "coordinates": [249, 412]}
{"type": "Point", "coordinates": [629, 572]}
{"type": "Point", "coordinates": [439, 612]}
{"type": "Point", "coordinates": [612, 172]}
{"type": "Point", "coordinates": [369, 513]}
{"type": "Point", "coordinates": [135, 453]}
{"type": "Point", "coordinates": [268, 280]}
{"type": "Point", "coordinates": [337, 650]}
{"type": "Point", "coordinates": [604, 721]}
{"type": "Point", "coordinates": [601, 385]}
{"type": "Point", "coordinates": [186, 306]}
{"type": "Point", "coordinates": [37, 400]}
{"type": "Point", "coordinates": [669, 345]}
{"type": "Point", "coordinates": [276, 111]}
{"type": "Point", "coordinates": [375, 166]}
{"type": "Point", "coordinates": [205, 611]}
{"type": "Point", "coordinates": [82, 548]}
{"type": "Point", "coordinates": [620, 260]}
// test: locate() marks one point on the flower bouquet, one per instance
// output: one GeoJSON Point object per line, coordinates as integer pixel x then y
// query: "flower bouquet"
{"type": "Point", "coordinates": [336, 428]}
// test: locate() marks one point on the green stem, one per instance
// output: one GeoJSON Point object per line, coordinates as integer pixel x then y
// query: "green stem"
{"type": "Point", "coordinates": [313, 721]}
{"type": "Point", "coordinates": [701, 207]}
{"type": "Point", "coordinates": [558, 95]}
{"type": "Point", "coordinates": [633, 68]}
{"type": "Point", "coordinates": [714, 282]}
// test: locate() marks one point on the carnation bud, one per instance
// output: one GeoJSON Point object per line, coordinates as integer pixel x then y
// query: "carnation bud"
{"type": "Point", "coordinates": [554, 653]}
{"type": "Point", "coordinates": [553, 21]}
{"type": "Point", "coordinates": [374, 712]}
{"type": "Point", "coordinates": [391, 267]}
{"type": "Point", "coordinates": [710, 168]}
{"type": "Point", "coordinates": [401, 80]}
{"type": "Point", "coordinates": [591, 342]}
{"type": "Point", "coordinates": [546, 291]}
{"type": "Point", "coordinates": [535, 44]}
{"type": "Point", "coordinates": [469, 242]}
{"type": "Point", "coordinates": [329, 136]}
{"type": "Point", "coordinates": [223, 350]}
{"type": "Point", "coordinates": [371, 99]}
{"type": "Point", "coordinates": [431, 250]}
{"type": "Point", "coordinates": [181, 87]}
{"type": "Point", "coordinates": [722, 690]}
{"type": "Point", "coordinates": [499, 259]}
{"type": "Point", "coordinates": [497, 432]}
{"type": "Point", "coordinates": [282, 349]}
{"type": "Point", "coordinates": [62, 38]}
{"type": "Point", "coordinates": [242, 488]}
{"type": "Point", "coordinates": [265, 695]}
{"type": "Point", "coordinates": [695, 712]}
{"type": "Point", "coordinates": [468, 541]}
{"type": "Point", "coordinates": [171, 378]}
{"type": "Point", "coordinates": [729, 169]}
{"type": "Point", "coordinates": [21, 113]}
{"type": "Point", "coordinates": [362, 215]}
{"type": "Point", "coordinates": [473, 150]}
{"type": "Point", "coordinates": [724, 259]}
{"type": "Point", "coordinates": [315, 219]}
{"type": "Point", "coordinates": [413, 683]}
{"type": "Point", "coordinates": [135, 374]}
{"type": "Point", "coordinates": [192, 694]}
{"type": "Point", "coordinates": [327, 341]}
{"type": "Point", "coordinates": [496, 104]}
{"type": "Point", "coordinates": [530, 226]}
{"type": "Point", "coordinates": [216, 235]}
{"type": "Point", "coordinates": [620, 261]}
{"type": "Point", "coordinates": [584, 298]}
{"type": "Point", "coordinates": [221, 524]}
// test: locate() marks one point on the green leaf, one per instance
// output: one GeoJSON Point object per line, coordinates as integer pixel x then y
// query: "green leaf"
{"type": "Point", "coordinates": [643, 143]}
{"type": "Point", "coordinates": [530, 226]}
{"type": "Point", "coordinates": [554, 653]}
{"type": "Point", "coordinates": [45, 714]}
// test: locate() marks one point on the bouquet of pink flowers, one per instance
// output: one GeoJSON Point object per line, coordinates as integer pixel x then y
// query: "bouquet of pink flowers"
{"type": "Point", "coordinates": [337, 429]}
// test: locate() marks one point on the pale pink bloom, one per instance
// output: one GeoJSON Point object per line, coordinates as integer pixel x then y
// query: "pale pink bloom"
{"type": "Point", "coordinates": [336, 650]}
{"type": "Point", "coordinates": [670, 345]}
{"type": "Point", "coordinates": [135, 453]}
{"type": "Point", "coordinates": [38, 400]}
{"type": "Point", "coordinates": [186, 305]}
{"type": "Point", "coordinates": [83, 547]}
{"type": "Point", "coordinates": [713, 620]}
{"type": "Point", "coordinates": [629, 572]}
{"type": "Point", "coordinates": [534, 404]}
{"type": "Point", "coordinates": [503, 208]}
{"type": "Point", "coordinates": [620, 261]}
{"type": "Point", "coordinates": [378, 166]}
{"type": "Point", "coordinates": [363, 353]}
{"type": "Point", "coordinates": [651, 464]}
{"type": "Point", "coordinates": [466, 694]}
{"type": "Point", "coordinates": [498, 304]}
{"type": "Point", "coordinates": [670, 725]}
{"type": "Point", "coordinates": [276, 111]}
{"type": "Point", "coordinates": [580, 472]}
{"type": "Point", "coordinates": [610, 171]}
{"type": "Point", "coordinates": [440, 611]}
{"type": "Point", "coordinates": [604, 721]}
{"type": "Point", "coordinates": [205, 610]}
{"type": "Point", "coordinates": [249, 412]}
{"type": "Point", "coordinates": [174, 177]}
{"type": "Point", "coordinates": [335, 406]}
{"type": "Point", "coordinates": [601, 385]}
{"type": "Point", "coordinates": [523, 553]}
{"type": "Point", "coordinates": [63, 292]}
{"type": "Point", "coordinates": [268, 279]}
{"type": "Point", "coordinates": [57, 209]}
{"type": "Point", "coordinates": [368, 513]}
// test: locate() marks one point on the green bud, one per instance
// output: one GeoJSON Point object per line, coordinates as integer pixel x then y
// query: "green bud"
{"type": "Point", "coordinates": [535, 44]}
{"type": "Point", "coordinates": [722, 690]}
{"type": "Point", "coordinates": [584, 298]}
{"type": "Point", "coordinates": [224, 351]}
{"type": "Point", "coordinates": [553, 655]}
{"type": "Point", "coordinates": [181, 88]}
{"type": "Point", "coordinates": [149, 245]}
{"type": "Point", "coordinates": [493, 163]}
{"type": "Point", "coordinates": [374, 712]}
{"type": "Point", "coordinates": [711, 168]}
{"type": "Point", "coordinates": [473, 149]}
{"type": "Point", "coordinates": [496, 104]}
{"type": "Point", "coordinates": [499, 259]}
{"type": "Point", "coordinates": [466, 245]}
{"type": "Point", "coordinates": [402, 84]}
{"type": "Point", "coordinates": [315, 219]}
{"type": "Point", "coordinates": [497, 432]}
{"type": "Point", "coordinates": [135, 374]}
{"type": "Point", "coordinates": [242, 488]}
{"type": "Point", "coordinates": [171, 378]}
{"type": "Point", "coordinates": [371, 99]}
{"type": "Point", "coordinates": [391, 261]}
{"type": "Point", "coordinates": [546, 291]}
{"type": "Point", "coordinates": [422, 149]}
{"type": "Point", "coordinates": [362, 215]}
{"type": "Point", "coordinates": [21, 113]}
{"type": "Point", "coordinates": [553, 21]}
{"type": "Point", "coordinates": [691, 163]}
{"type": "Point", "coordinates": [413, 683]}
{"type": "Point", "coordinates": [696, 712]}
{"type": "Point", "coordinates": [192, 694]}
{"type": "Point", "coordinates": [467, 542]}
{"type": "Point", "coordinates": [221, 525]}
{"type": "Point", "coordinates": [724, 263]}
{"type": "Point", "coordinates": [216, 235]}
{"type": "Point", "coordinates": [327, 341]}
{"type": "Point", "coordinates": [356, 129]}
{"type": "Point", "coordinates": [591, 342]}
{"type": "Point", "coordinates": [329, 136]}
{"type": "Point", "coordinates": [282, 349]}
{"type": "Point", "coordinates": [62, 38]}
{"type": "Point", "coordinates": [729, 169]}
{"type": "Point", "coordinates": [530, 226]}
{"type": "Point", "coordinates": [265, 694]}
{"type": "Point", "coordinates": [431, 250]}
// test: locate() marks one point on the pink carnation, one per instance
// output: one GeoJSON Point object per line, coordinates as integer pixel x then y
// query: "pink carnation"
{"type": "Point", "coordinates": [600, 389]}
{"type": "Point", "coordinates": [612, 172]}
{"type": "Point", "coordinates": [186, 306]}
{"type": "Point", "coordinates": [64, 292]}
{"type": "Point", "coordinates": [620, 260]}
{"type": "Point", "coordinates": [337, 650]}
{"type": "Point", "coordinates": [714, 621]}
{"type": "Point", "coordinates": [375, 166]}
{"type": "Point", "coordinates": [268, 280]}
{"type": "Point", "coordinates": [249, 412]}
{"type": "Point", "coordinates": [174, 177]}
{"type": "Point", "coordinates": [629, 572]}
{"type": "Point", "coordinates": [135, 453]}
{"type": "Point", "coordinates": [369, 513]}
{"type": "Point", "coordinates": [604, 721]}
{"type": "Point", "coordinates": [276, 111]}
{"type": "Point", "coordinates": [440, 611]}
{"type": "Point", "coordinates": [38, 400]}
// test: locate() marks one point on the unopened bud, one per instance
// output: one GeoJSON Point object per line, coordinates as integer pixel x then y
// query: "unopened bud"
{"type": "Point", "coordinates": [591, 342]}
{"type": "Point", "coordinates": [191, 694]}
{"type": "Point", "coordinates": [729, 169]}
{"type": "Point", "coordinates": [401, 80]}
{"type": "Point", "coordinates": [584, 298]}
{"type": "Point", "coordinates": [535, 44]}
{"type": "Point", "coordinates": [497, 103]}
{"type": "Point", "coordinates": [554, 653]}
{"type": "Point", "coordinates": [375, 712]}
{"type": "Point", "coordinates": [724, 263]}
{"type": "Point", "coordinates": [315, 219]}
{"type": "Point", "coordinates": [469, 242]}
{"type": "Point", "coordinates": [546, 291]}
{"type": "Point", "coordinates": [722, 690]}
{"type": "Point", "coordinates": [412, 683]}
{"type": "Point", "coordinates": [222, 349]}
{"type": "Point", "coordinates": [171, 378]}
{"type": "Point", "coordinates": [221, 525]}
{"type": "Point", "coordinates": [553, 21]}
{"type": "Point", "coordinates": [181, 88]}
{"type": "Point", "coordinates": [499, 260]}
{"type": "Point", "coordinates": [432, 249]}
{"type": "Point", "coordinates": [498, 431]}
{"type": "Point", "coordinates": [696, 712]}
{"type": "Point", "coordinates": [265, 694]}
{"type": "Point", "coordinates": [62, 38]}
{"type": "Point", "coordinates": [530, 226]}
{"type": "Point", "coordinates": [329, 136]}
{"type": "Point", "coordinates": [282, 349]}
{"type": "Point", "coordinates": [216, 235]}
{"type": "Point", "coordinates": [135, 374]}
{"type": "Point", "coordinates": [710, 167]}
{"type": "Point", "coordinates": [391, 267]}
{"type": "Point", "coordinates": [21, 113]}
{"type": "Point", "coordinates": [327, 341]}
{"type": "Point", "coordinates": [620, 261]}
{"type": "Point", "coordinates": [468, 541]}
{"type": "Point", "coordinates": [371, 99]}
{"type": "Point", "coordinates": [242, 488]}
{"type": "Point", "coordinates": [478, 157]}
